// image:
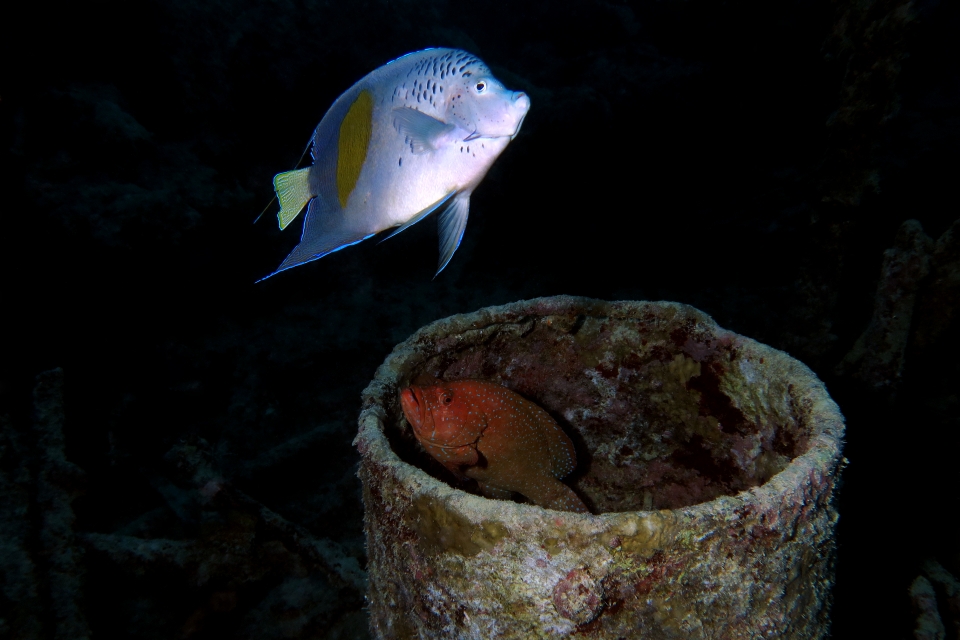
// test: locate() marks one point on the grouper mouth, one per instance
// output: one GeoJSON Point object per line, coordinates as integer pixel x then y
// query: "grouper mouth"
{"type": "Point", "coordinates": [415, 409]}
{"type": "Point", "coordinates": [411, 401]}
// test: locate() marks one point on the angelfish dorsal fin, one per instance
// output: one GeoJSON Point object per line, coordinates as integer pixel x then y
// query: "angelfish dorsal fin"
{"type": "Point", "coordinates": [423, 133]}
{"type": "Point", "coordinates": [354, 141]}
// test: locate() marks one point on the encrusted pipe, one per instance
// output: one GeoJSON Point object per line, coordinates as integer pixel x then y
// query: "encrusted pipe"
{"type": "Point", "coordinates": [708, 461]}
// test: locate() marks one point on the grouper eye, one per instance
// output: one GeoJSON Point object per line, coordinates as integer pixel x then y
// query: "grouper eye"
{"type": "Point", "coordinates": [446, 398]}
{"type": "Point", "coordinates": [481, 86]}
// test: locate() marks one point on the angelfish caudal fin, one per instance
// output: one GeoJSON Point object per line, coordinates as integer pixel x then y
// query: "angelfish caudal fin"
{"type": "Point", "coordinates": [293, 192]}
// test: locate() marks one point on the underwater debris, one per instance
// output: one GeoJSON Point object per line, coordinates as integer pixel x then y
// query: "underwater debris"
{"type": "Point", "coordinates": [194, 461]}
{"type": "Point", "coordinates": [929, 625]}
{"type": "Point", "coordinates": [946, 591]}
{"type": "Point", "coordinates": [877, 357]}
{"type": "Point", "coordinates": [42, 565]}
{"type": "Point", "coordinates": [290, 583]}
{"type": "Point", "coordinates": [938, 305]}
{"type": "Point", "coordinates": [235, 551]}
{"type": "Point", "coordinates": [867, 43]}
{"type": "Point", "coordinates": [23, 609]}
{"type": "Point", "coordinates": [58, 482]}
{"type": "Point", "coordinates": [869, 37]}
{"type": "Point", "coordinates": [232, 519]}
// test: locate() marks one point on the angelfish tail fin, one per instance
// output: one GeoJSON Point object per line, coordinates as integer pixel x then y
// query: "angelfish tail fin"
{"type": "Point", "coordinates": [293, 192]}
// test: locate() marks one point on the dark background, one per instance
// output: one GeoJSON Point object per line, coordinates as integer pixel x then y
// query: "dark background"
{"type": "Point", "coordinates": [752, 159]}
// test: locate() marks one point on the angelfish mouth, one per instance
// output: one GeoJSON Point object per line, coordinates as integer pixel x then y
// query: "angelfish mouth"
{"type": "Point", "coordinates": [494, 136]}
{"type": "Point", "coordinates": [519, 124]}
{"type": "Point", "coordinates": [523, 100]}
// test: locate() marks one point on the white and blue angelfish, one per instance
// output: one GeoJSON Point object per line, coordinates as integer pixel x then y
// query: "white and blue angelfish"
{"type": "Point", "coordinates": [413, 137]}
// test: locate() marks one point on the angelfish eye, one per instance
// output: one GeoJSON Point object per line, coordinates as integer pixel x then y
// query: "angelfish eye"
{"type": "Point", "coordinates": [481, 86]}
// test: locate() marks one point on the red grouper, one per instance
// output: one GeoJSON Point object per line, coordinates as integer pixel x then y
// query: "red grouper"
{"type": "Point", "coordinates": [486, 432]}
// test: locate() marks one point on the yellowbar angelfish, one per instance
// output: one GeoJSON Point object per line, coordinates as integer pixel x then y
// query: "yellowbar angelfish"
{"type": "Point", "coordinates": [413, 137]}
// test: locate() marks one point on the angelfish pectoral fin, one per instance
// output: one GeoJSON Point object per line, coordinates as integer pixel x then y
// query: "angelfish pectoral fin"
{"type": "Point", "coordinates": [423, 133]}
{"type": "Point", "coordinates": [452, 223]}
{"type": "Point", "coordinates": [293, 192]}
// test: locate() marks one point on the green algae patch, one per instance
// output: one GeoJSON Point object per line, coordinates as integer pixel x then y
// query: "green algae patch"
{"type": "Point", "coordinates": [442, 529]}
{"type": "Point", "coordinates": [552, 545]}
{"type": "Point", "coordinates": [649, 532]}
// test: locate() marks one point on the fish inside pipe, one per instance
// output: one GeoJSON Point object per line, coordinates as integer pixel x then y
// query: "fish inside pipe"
{"type": "Point", "coordinates": [414, 137]}
{"type": "Point", "coordinates": [487, 432]}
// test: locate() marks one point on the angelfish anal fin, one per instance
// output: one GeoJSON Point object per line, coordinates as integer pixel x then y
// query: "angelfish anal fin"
{"type": "Point", "coordinates": [323, 233]}
{"type": "Point", "coordinates": [423, 133]}
{"type": "Point", "coordinates": [452, 223]}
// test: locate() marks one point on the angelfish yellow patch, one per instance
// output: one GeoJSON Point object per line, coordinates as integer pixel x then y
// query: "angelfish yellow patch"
{"type": "Point", "coordinates": [354, 141]}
